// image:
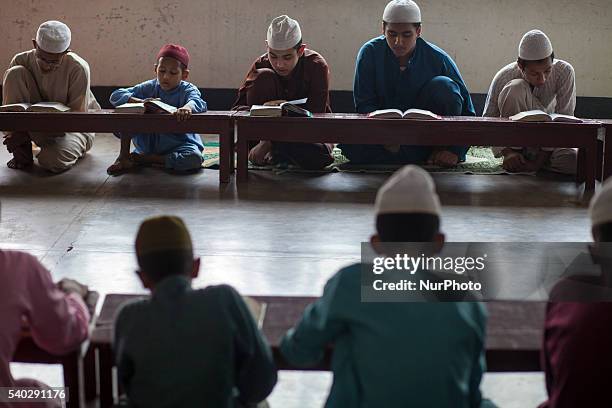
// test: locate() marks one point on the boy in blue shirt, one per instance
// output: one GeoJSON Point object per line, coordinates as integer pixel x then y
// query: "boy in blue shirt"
{"type": "Point", "coordinates": [175, 151]}
{"type": "Point", "coordinates": [400, 70]}
{"type": "Point", "coordinates": [395, 354]}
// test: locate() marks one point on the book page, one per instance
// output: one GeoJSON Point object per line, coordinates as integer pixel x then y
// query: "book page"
{"type": "Point", "coordinates": [15, 107]}
{"type": "Point", "coordinates": [531, 116]}
{"type": "Point", "coordinates": [159, 107]}
{"type": "Point", "coordinates": [48, 107]}
{"type": "Point", "coordinates": [420, 114]}
{"type": "Point", "coordinates": [558, 117]}
{"type": "Point", "coordinates": [385, 114]}
{"type": "Point", "coordinates": [137, 107]}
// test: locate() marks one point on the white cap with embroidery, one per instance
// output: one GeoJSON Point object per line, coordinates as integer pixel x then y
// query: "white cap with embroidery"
{"type": "Point", "coordinates": [53, 37]}
{"type": "Point", "coordinates": [283, 33]}
{"type": "Point", "coordinates": [535, 46]}
{"type": "Point", "coordinates": [402, 11]}
{"type": "Point", "coordinates": [409, 190]}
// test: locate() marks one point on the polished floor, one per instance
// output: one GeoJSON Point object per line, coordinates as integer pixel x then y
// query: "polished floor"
{"type": "Point", "coordinates": [277, 235]}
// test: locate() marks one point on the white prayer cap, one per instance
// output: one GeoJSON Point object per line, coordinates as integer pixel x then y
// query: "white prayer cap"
{"type": "Point", "coordinates": [600, 209]}
{"type": "Point", "coordinates": [535, 46]}
{"type": "Point", "coordinates": [283, 33]}
{"type": "Point", "coordinates": [53, 37]}
{"type": "Point", "coordinates": [402, 11]}
{"type": "Point", "coordinates": [409, 190]}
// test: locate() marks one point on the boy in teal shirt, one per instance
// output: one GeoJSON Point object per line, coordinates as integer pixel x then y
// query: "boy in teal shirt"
{"type": "Point", "coordinates": [395, 354]}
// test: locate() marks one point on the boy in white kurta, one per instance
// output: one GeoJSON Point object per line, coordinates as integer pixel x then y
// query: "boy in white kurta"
{"type": "Point", "coordinates": [49, 72]}
{"type": "Point", "coordinates": [535, 81]}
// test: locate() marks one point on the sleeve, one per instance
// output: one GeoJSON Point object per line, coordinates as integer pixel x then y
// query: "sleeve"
{"type": "Point", "coordinates": [305, 344]}
{"type": "Point", "coordinates": [123, 362]}
{"type": "Point", "coordinates": [78, 89]}
{"type": "Point", "coordinates": [491, 107]}
{"type": "Point", "coordinates": [364, 85]}
{"type": "Point", "coordinates": [58, 322]}
{"type": "Point", "coordinates": [318, 94]}
{"type": "Point", "coordinates": [141, 91]}
{"type": "Point", "coordinates": [256, 371]}
{"type": "Point", "coordinates": [15, 61]}
{"type": "Point", "coordinates": [452, 71]}
{"type": "Point", "coordinates": [193, 98]}
{"type": "Point", "coordinates": [566, 91]}
{"type": "Point", "coordinates": [241, 101]}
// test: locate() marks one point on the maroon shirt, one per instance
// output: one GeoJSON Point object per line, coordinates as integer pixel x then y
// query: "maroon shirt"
{"type": "Point", "coordinates": [309, 79]}
{"type": "Point", "coordinates": [577, 354]}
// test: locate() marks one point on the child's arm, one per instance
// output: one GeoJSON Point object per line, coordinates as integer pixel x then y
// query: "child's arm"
{"type": "Point", "coordinates": [137, 93]}
{"type": "Point", "coordinates": [305, 344]}
{"type": "Point", "coordinates": [194, 100]}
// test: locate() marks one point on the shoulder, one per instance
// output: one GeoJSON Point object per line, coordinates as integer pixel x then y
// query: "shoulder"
{"type": "Point", "coordinates": [76, 63]}
{"type": "Point", "coordinates": [375, 44]}
{"type": "Point", "coordinates": [131, 312]}
{"type": "Point", "coordinates": [225, 294]}
{"type": "Point", "coordinates": [187, 86]}
{"type": "Point", "coordinates": [13, 260]}
{"type": "Point", "coordinates": [508, 72]}
{"type": "Point", "coordinates": [314, 58]}
{"type": "Point", "coordinates": [432, 50]}
{"type": "Point", "coordinates": [563, 67]}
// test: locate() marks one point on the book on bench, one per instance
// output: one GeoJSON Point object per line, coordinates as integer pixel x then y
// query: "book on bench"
{"type": "Point", "coordinates": [152, 106]}
{"type": "Point", "coordinates": [36, 107]}
{"type": "Point", "coordinates": [257, 309]}
{"type": "Point", "coordinates": [289, 108]}
{"type": "Point", "coordinates": [408, 114]}
{"type": "Point", "coordinates": [541, 116]}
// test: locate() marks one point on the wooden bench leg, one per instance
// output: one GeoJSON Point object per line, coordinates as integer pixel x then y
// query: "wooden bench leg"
{"type": "Point", "coordinates": [89, 374]}
{"type": "Point", "coordinates": [607, 153]}
{"type": "Point", "coordinates": [225, 155]}
{"type": "Point", "coordinates": [590, 163]}
{"type": "Point", "coordinates": [242, 169]}
{"type": "Point", "coordinates": [105, 359]}
{"type": "Point", "coordinates": [581, 165]}
{"type": "Point", "coordinates": [72, 366]}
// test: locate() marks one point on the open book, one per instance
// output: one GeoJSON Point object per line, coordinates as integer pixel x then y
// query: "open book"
{"type": "Point", "coordinates": [37, 107]}
{"type": "Point", "coordinates": [288, 108]}
{"type": "Point", "coordinates": [409, 114]}
{"type": "Point", "coordinates": [541, 116]}
{"type": "Point", "coordinates": [152, 106]}
{"type": "Point", "coordinates": [257, 309]}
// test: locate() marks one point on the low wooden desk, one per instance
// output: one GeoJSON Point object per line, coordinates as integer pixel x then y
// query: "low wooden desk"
{"type": "Point", "coordinates": [464, 130]}
{"type": "Point", "coordinates": [107, 121]}
{"type": "Point", "coordinates": [77, 366]}
{"type": "Point", "coordinates": [514, 335]}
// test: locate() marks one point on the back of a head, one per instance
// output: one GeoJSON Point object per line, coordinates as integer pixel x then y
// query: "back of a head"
{"type": "Point", "coordinates": [164, 248]}
{"type": "Point", "coordinates": [407, 207]}
{"type": "Point", "coordinates": [600, 212]}
{"type": "Point", "coordinates": [53, 37]}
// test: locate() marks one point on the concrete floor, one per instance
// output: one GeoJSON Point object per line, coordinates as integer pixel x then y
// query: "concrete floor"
{"type": "Point", "coordinates": [278, 235]}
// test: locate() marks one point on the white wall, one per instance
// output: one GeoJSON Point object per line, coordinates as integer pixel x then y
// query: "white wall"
{"type": "Point", "coordinates": [120, 38]}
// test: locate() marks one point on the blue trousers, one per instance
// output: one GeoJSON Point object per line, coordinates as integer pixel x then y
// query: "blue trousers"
{"type": "Point", "coordinates": [442, 96]}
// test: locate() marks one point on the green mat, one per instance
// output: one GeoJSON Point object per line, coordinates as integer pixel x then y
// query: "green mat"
{"type": "Point", "coordinates": [479, 160]}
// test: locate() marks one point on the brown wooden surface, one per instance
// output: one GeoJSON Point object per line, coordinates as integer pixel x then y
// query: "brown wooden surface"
{"type": "Point", "coordinates": [476, 131]}
{"type": "Point", "coordinates": [107, 121]}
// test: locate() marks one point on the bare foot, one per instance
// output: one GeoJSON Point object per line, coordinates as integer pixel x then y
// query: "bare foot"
{"type": "Point", "coordinates": [120, 166]}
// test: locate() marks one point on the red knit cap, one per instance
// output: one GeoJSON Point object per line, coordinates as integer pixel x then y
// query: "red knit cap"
{"type": "Point", "coordinates": [174, 51]}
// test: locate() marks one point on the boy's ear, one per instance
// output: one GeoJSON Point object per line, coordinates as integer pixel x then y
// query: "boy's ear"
{"type": "Point", "coordinates": [375, 242]}
{"type": "Point", "coordinates": [146, 282]}
{"type": "Point", "coordinates": [34, 43]}
{"type": "Point", "coordinates": [300, 50]}
{"type": "Point", "coordinates": [185, 74]}
{"type": "Point", "coordinates": [439, 240]}
{"type": "Point", "coordinates": [196, 268]}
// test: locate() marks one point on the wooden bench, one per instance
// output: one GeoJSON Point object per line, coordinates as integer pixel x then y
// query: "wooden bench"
{"type": "Point", "coordinates": [514, 335]}
{"type": "Point", "coordinates": [606, 131]}
{"type": "Point", "coordinates": [219, 122]}
{"type": "Point", "coordinates": [78, 366]}
{"type": "Point", "coordinates": [473, 131]}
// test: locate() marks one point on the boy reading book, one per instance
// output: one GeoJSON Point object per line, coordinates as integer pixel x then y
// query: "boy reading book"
{"type": "Point", "coordinates": [288, 70]}
{"type": "Point", "coordinates": [535, 81]}
{"type": "Point", "coordinates": [187, 347]}
{"type": "Point", "coordinates": [176, 151]}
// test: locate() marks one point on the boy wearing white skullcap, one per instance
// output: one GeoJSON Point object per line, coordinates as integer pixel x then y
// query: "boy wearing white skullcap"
{"type": "Point", "coordinates": [400, 70]}
{"type": "Point", "coordinates": [287, 71]}
{"type": "Point", "coordinates": [578, 325]}
{"type": "Point", "coordinates": [536, 80]}
{"type": "Point", "coordinates": [50, 72]}
{"type": "Point", "coordinates": [394, 354]}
